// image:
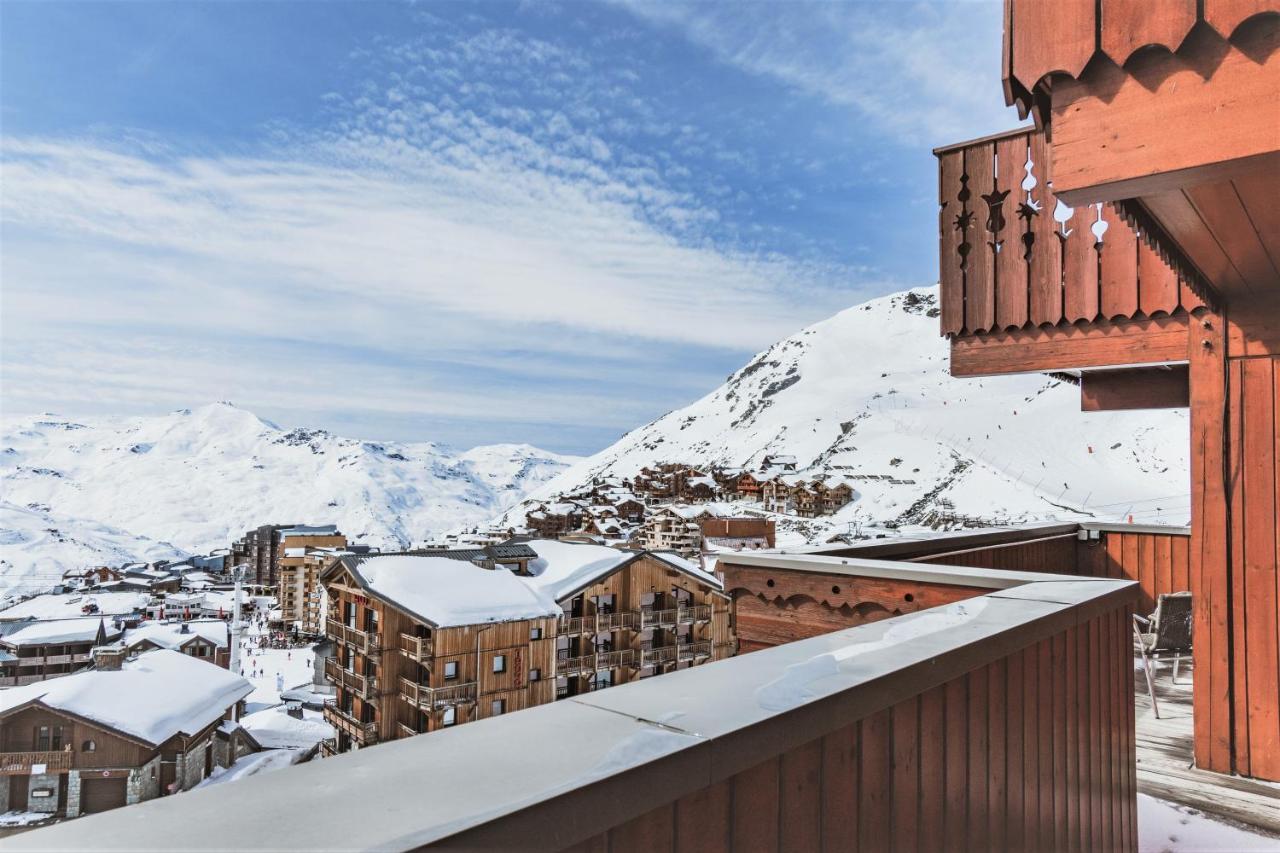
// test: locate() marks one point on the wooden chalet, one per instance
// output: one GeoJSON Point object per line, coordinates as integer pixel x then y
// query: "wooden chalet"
{"type": "Point", "coordinates": [39, 650]}
{"type": "Point", "coordinates": [206, 639]}
{"type": "Point", "coordinates": [127, 731]}
{"type": "Point", "coordinates": [748, 486]}
{"type": "Point", "coordinates": [429, 640]}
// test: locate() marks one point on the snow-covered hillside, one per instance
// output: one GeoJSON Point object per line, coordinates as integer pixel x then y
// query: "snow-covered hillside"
{"type": "Point", "coordinates": [195, 478]}
{"type": "Point", "coordinates": [867, 394]}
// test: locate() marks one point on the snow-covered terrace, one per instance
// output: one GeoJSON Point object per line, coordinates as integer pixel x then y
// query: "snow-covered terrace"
{"type": "Point", "coordinates": [860, 733]}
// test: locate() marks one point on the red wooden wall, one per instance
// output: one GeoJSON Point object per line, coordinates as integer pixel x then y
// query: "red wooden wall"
{"type": "Point", "coordinates": [1033, 751]}
{"type": "Point", "coordinates": [1160, 563]}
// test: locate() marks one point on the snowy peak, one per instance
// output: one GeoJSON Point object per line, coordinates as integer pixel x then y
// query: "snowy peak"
{"type": "Point", "coordinates": [197, 477]}
{"type": "Point", "coordinates": [866, 394]}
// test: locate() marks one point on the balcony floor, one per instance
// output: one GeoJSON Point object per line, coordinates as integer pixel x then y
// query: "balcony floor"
{"type": "Point", "coordinates": [1165, 756]}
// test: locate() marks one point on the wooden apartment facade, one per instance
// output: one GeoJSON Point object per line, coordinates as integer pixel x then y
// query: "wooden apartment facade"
{"type": "Point", "coordinates": [397, 675]}
{"type": "Point", "coordinates": [1146, 260]}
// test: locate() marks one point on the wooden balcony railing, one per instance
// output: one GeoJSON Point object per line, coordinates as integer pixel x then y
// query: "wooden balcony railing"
{"type": "Point", "coordinates": [419, 649]}
{"type": "Point", "coordinates": [580, 665]}
{"type": "Point", "coordinates": [365, 733]}
{"type": "Point", "coordinates": [328, 747]}
{"type": "Point", "coordinates": [342, 677]}
{"type": "Point", "coordinates": [693, 651]}
{"type": "Point", "coordinates": [20, 763]}
{"type": "Point", "coordinates": [362, 641]}
{"type": "Point", "coordinates": [612, 660]}
{"type": "Point", "coordinates": [693, 613]}
{"type": "Point", "coordinates": [1012, 256]}
{"type": "Point", "coordinates": [431, 698]}
{"type": "Point", "coordinates": [657, 618]}
{"type": "Point", "coordinates": [406, 731]}
{"type": "Point", "coordinates": [660, 655]}
{"type": "Point", "coordinates": [573, 625]}
{"type": "Point", "coordinates": [620, 621]}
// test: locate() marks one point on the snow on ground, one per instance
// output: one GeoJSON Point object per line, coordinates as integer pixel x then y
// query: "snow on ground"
{"type": "Point", "coordinates": [1167, 828]}
{"type": "Point", "coordinates": [272, 671]}
{"type": "Point", "coordinates": [9, 819]}
{"type": "Point", "coordinates": [252, 765]}
{"type": "Point", "coordinates": [273, 728]}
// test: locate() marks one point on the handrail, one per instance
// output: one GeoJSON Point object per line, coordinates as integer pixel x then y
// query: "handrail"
{"type": "Point", "coordinates": [21, 762]}
{"type": "Point", "coordinates": [430, 698]}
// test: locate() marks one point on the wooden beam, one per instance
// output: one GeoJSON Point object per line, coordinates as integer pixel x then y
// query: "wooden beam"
{"type": "Point", "coordinates": [1161, 124]}
{"type": "Point", "coordinates": [1123, 343]}
{"type": "Point", "coordinates": [1140, 388]}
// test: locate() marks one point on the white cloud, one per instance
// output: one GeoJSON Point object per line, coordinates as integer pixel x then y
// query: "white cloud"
{"type": "Point", "coordinates": [927, 72]}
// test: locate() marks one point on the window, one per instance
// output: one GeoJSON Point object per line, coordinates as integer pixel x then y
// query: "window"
{"type": "Point", "coordinates": [449, 717]}
{"type": "Point", "coordinates": [535, 633]}
{"type": "Point", "coordinates": [535, 675]}
{"type": "Point", "coordinates": [48, 738]}
{"type": "Point", "coordinates": [497, 706]}
{"type": "Point", "coordinates": [89, 746]}
{"type": "Point", "coordinates": [450, 670]}
{"type": "Point", "coordinates": [499, 663]}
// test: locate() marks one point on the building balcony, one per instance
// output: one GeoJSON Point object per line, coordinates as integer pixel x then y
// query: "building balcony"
{"type": "Point", "coordinates": [20, 763]}
{"type": "Point", "coordinates": [657, 656]}
{"type": "Point", "coordinates": [434, 698]}
{"type": "Point", "coordinates": [417, 649]}
{"type": "Point", "coordinates": [364, 686]}
{"type": "Point", "coordinates": [657, 618]}
{"type": "Point", "coordinates": [404, 731]}
{"type": "Point", "coordinates": [575, 666]}
{"type": "Point", "coordinates": [573, 626]}
{"type": "Point", "coordinates": [1015, 259]}
{"type": "Point", "coordinates": [362, 641]}
{"type": "Point", "coordinates": [366, 734]}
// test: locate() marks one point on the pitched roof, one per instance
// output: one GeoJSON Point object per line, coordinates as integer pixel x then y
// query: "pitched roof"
{"type": "Point", "coordinates": [151, 697]}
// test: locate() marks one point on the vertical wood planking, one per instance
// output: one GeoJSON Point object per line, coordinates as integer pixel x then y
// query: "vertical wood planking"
{"type": "Point", "coordinates": [1058, 653]}
{"type": "Point", "coordinates": [1015, 782]}
{"type": "Point", "coordinates": [1072, 739]}
{"type": "Point", "coordinates": [1096, 758]}
{"type": "Point", "coordinates": [1119, 267]}
{"type": "Point", "coordinates": [1180, 555]}
{"type": "Point", "coordinates": [1209, 568]}
{"type": "Point", "coordinates": [755, 808]}
{"type": "Point", "coordinates": [906, 777]}
{"type": "Point", "coordinates": [1135, 551]}
{"type": "Point", "coordinates": [956, 761]}
{"type": "Point", "coordinates": [840, 790]}
{"type": "Point", "coordinates": [1238, 624]}
{"type": "Point", "coordinates": [1011, 262]}
{"type": "Point", "coordinates": [1031, 749]}
{"type": "Point", "coordinates": [977, 748]}
{"type": "Point", "coordinates": [703, 819]}
{"type": "Point", "coordinates": [1045, 781]}
{"type": "Point", "coordinates": [1084, 756]}
{"type": "Point", "coordinates": [1080, 267]}
{"type": "Point", "coordinates": [997, 735]}
{"type": "Point", "coordinates": [1046, 254]}
{"type": "Point", "coordinates": [1157, 282]}
{"type": "Point", "coordinates": [1259, 568]}
{"type": "Point", "coordinates": [875, 782]}
{"type": "Point", "coordinates": [800, 806]}
{"type": "Point", "coordinates": [653, 831]}
{"type": "Point", "coordinates": [950, 275]}
{"type": "Point", "coordinates": [980, 291]}
{"type": "Point", "coordinates": [933, 780]}
{"type": "Point", "coordinates": [1162, 546]}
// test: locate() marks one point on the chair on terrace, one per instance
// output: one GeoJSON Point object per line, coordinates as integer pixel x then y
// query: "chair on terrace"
{"type": "Point", "coordinates": [1168, 629]}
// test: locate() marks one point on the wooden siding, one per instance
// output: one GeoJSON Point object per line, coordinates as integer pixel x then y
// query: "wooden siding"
{"type": "Point", "coordinates": [1062, 37]}
{"type": "Point", "coordinates": [1008, 263]}
{"type": "Point", "coordinates": [1033, 751]}
{"type": "Point", "coordinates": [775, 607]}
{"type": "Point", "coordinates": [17, 734]}
{"type": "Point", "coordinates": [1159, 563]}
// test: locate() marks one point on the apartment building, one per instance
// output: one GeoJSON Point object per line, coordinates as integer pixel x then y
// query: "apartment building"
{"type": "Point", "coordinates": [430, 640]}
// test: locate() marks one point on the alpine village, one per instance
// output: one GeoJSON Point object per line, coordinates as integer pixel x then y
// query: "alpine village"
{"type": "Point", "coordinates": [637, 665]}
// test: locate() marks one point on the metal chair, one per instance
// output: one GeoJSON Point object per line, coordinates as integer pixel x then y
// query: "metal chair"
{"type": "Point", "coordinates": [1168, 630]}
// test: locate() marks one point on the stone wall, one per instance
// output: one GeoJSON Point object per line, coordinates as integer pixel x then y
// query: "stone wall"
{"type": "Point", "coordinates": [73, 793]}
{"type": "Point", "coordinates": [190, 766]}
{"type": "Point", "coordinates": [47, 782]}
{"type": "Point", "coordinates": [144, 782]}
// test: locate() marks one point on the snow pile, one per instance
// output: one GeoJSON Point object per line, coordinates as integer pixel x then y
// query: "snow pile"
{"type": "Point", "coordinates": [152, 697]}
{"type": "Point", "coordinates": [565, 567]}
{"type": "Point", "coordinates": [447, 592]}
{"type": "Point", "coordinates": [252, 765]}
{"type": "Point", "coordinates": [92, 492]}
{"type": "Point", "coordinates": [1167, 828]}
{"type": "Point", "coordinates": [273, 728]}
{"type": "Point", "coordinates": [867, 395]}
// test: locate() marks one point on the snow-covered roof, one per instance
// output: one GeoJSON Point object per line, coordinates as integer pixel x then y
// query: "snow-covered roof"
{"type": "Point", "coordinates": [169, 635]}
{"type": "Point", "coordinates": [152, 697]}
{"type": "Point", "coordinates": [70, 605]}
{"type": "Point", "coordinates": [448, 593]}
{"type": "Point", "coordinates": [80, 630]}
{"type": "Point", "coordinates": [305, 530]}
{"type": "Point", "coordinates": [688, 567]}
{"type": "Point", "coordinates": [563, 568]}
{"type": "Point", "coordinates": [273, 728]}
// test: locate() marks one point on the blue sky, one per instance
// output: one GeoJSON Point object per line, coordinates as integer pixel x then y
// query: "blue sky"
{"type": "Point", "coordinates": [466, 222]}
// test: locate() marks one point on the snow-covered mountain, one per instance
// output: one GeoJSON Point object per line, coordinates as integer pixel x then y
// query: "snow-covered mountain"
{"type": "Point", "coordinates": [867, 394]}
{"type": "Point", "coordinates": [196, 478]}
